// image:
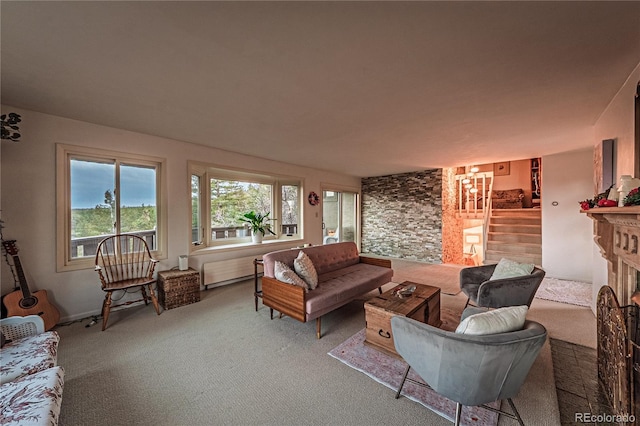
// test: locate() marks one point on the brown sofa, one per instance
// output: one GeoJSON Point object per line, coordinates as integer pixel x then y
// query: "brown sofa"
{"type": "Point", "coordinates": [343, 275]}
{"type": "Point", "coordinates": [507, 198]}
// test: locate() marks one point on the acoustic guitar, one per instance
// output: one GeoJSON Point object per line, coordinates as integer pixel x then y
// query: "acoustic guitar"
{"type": "Point", "coordinates": [22, 302]}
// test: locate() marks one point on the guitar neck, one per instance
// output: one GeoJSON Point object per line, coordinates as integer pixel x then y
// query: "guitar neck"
{"type": "Point", "coordinates": [23, 280]}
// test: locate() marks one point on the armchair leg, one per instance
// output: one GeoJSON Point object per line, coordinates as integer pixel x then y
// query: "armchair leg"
{"type": "Point", "coordinates": [406, 373]}
{"type": "Point", "coordinates": [458, 413]}
{"type": "Point", "coordinates": [517, 415]}
{"type": "Point", "coordinates": [380, 290]}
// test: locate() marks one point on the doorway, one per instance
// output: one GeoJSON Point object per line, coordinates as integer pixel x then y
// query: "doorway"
{"type": "Point", "coordinates": [339, 216]}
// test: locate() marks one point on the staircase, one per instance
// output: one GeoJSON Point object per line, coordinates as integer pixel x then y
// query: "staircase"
{"type": "Point", "coordinates": [515, 234]}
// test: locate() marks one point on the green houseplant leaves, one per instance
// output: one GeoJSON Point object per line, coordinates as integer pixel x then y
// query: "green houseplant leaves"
{"type": "Point", "coordinates": [258, 222]}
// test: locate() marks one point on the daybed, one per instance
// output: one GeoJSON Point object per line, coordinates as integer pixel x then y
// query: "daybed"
{"type": "Point", "coordinates": [343, 275]}
{"type": "Point", "coordinates": [31, 383]}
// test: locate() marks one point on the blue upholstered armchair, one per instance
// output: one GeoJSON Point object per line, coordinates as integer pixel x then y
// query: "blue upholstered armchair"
{"type": "Point", "coordinates": [471, 370]}
{"type": "Point", "coordinates": [476, 283]}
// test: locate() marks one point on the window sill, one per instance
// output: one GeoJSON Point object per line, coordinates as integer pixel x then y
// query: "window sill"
{"type": "Point", "coordinates": [275, 244]}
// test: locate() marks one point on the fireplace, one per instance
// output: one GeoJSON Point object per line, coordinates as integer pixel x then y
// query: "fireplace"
{"type": "Point", "coordinates": [617, 233]}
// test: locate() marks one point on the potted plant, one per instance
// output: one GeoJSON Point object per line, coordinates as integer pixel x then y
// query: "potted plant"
{"type": "Point", "coordinates": [258, 224]}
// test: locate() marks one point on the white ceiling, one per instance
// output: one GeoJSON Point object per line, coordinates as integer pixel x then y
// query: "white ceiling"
{"type": "Point", "coordinates": [361, 88]}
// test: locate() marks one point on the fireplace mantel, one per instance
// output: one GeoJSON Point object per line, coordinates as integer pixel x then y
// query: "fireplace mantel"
{"type": "Point", "coordinates": [617, 233]}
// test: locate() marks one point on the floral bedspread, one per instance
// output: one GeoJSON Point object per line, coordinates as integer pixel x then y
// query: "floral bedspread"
{"type": "Point", "coordinates": [28, 355]}
{"type": "Point", "coordinates": [34, 399]}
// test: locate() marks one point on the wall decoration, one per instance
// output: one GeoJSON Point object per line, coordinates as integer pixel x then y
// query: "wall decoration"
{"type": "Point", "coordinates": [502, 169]}
{"type": "Point", "coordinates": [10, 129]}
{"type": "Point", "coordinates": [314, 200]}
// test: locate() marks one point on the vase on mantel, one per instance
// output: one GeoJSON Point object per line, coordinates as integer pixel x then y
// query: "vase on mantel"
{"type": "Point", "coordinates": [627, 183]}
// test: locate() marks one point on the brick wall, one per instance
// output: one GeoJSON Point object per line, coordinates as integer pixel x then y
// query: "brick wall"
{"type": "Point", "coordinates": [402, 215]}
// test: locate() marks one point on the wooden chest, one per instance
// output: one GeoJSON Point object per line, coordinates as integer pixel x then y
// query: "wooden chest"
{"type": "Point", "coordinates": [423, 305]}
{"type": "Point", "coordinates": [178, 288]}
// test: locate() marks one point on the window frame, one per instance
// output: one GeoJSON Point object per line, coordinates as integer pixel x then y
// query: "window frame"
{"type": "Point", "coordinates": [206, 172]}
{"type": "Point", "coordinates": [64, 155]}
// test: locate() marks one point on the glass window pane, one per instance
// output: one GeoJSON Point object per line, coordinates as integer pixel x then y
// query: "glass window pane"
{"type": "Point", "coordinates": [290, 209]}
{"type": "Point", "coordinates": [138, 212]}
{"type": "Point", "coordinates": [92, 204]}
{"type": "Point", "coordinates": [230, 200]}
{"type": "Point", "coordinates": [196, 237]}
{"type": "Point", "coordinates": [348, 220]}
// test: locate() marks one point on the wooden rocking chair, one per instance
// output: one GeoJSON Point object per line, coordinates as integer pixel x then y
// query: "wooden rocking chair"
{"type": "Point", "coordinates": [124, 262]}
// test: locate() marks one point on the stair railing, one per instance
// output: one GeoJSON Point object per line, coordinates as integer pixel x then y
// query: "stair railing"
{"type": "Point", "coordinates": [468, 202]}
{"type": "Point", "coordinates": [487, 220]}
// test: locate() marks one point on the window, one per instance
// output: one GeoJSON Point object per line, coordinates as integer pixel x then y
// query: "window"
{"type": "Point", "coordinates": [102, 193]}
{"type": "Point", "coordinates": [219, 197]}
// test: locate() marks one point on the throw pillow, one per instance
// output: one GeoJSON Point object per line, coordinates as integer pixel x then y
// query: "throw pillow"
{"type": "Point", "coordinates": [285, 274]}
{"type": "Point", "coordinates": [304, 267]}
{"type": "Point", "coordinates": [510, 268]}
{"type": "Point", "coordinates": [501, 320]}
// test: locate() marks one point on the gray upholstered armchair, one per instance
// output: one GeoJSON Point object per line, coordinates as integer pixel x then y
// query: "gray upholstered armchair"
{"type": "Point", "coordinates": [481, 291]}
{"type": "Point", "coordinates": [470, 370]}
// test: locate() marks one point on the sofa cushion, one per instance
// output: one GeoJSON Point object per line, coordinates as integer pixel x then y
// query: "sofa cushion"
{"type": "Point", "coordinates": [325, 258]}
{"type": "Point", "coordinates": [507, 268]}
{"type": "Point", "coordinates": [305, 269]}
{"type": "Point", "coordinates": [287, 275]}
{"type": "Point", "coordinates": [28, 355]}
{"type": "Point", "coordinates": [33, 399]}
{"type": "Point", "coordinates": [341, 286]}
{"type": "Point", "coordinates": [501, 320]}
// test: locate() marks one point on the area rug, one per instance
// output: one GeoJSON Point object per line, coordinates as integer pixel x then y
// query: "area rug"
{"type": "Point", "coordinates": [388, 371]}
{"type": "Point", "coordinates": [565, 291]}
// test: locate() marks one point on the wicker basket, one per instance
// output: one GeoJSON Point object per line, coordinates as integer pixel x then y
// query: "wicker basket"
{"type": "Point", "coordinates": [178, 288]}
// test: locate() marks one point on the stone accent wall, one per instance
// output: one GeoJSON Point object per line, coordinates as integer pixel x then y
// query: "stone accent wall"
{"type": "Point", "coordinates": [402, 215]}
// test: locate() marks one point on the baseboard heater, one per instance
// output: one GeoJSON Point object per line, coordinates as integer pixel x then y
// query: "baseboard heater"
{"type": "Point", "coordinates": [223, 272]}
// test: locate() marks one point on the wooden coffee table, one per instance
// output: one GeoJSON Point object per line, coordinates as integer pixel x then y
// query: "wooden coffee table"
{"type": "Point", "coordinates": [423, 305]}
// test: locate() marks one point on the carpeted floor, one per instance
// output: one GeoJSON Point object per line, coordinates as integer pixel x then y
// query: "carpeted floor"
{"type": "Point", "coordinates": [445, 276]}
{"type": "Point", "coordinates": [219, 361]}
{"type": "Point", "coordinates": [388, 371]}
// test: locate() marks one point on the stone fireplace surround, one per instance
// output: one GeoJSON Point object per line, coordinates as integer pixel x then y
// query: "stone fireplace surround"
{"type": "Point", "coordinates": [617, 234]}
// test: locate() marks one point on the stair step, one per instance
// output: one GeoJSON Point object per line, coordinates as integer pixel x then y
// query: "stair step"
{"type": "Point", "coordinates": [516, 212]}
{"type": "Point", "coordinates": [514, 234]}
{"type": "Point", "coordinates": [515, 220]}
{"type": "Point", "coordinates": [492, 256]}
{"type": "Point", "coordinates": [516, 229]}
{"type": "Point", "coordinates": [514, 238]}
{"type": "Point", "coordinates": [514, 247]}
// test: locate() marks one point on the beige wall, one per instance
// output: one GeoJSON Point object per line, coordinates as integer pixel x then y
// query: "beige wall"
{"type": "Point", "coordinates": [567, 239]}
{"type": "Point", "coordinates": [616, 122]}
{"type": "Point", "coordinates": [28, 199]}
{"type": "Point", "coordinates": [519, 177]}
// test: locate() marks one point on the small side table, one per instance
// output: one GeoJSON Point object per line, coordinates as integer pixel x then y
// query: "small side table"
{"type": "Point", "coordinates": [256, 292]}
{"type": "Point", "coordinates": [178, 288]}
